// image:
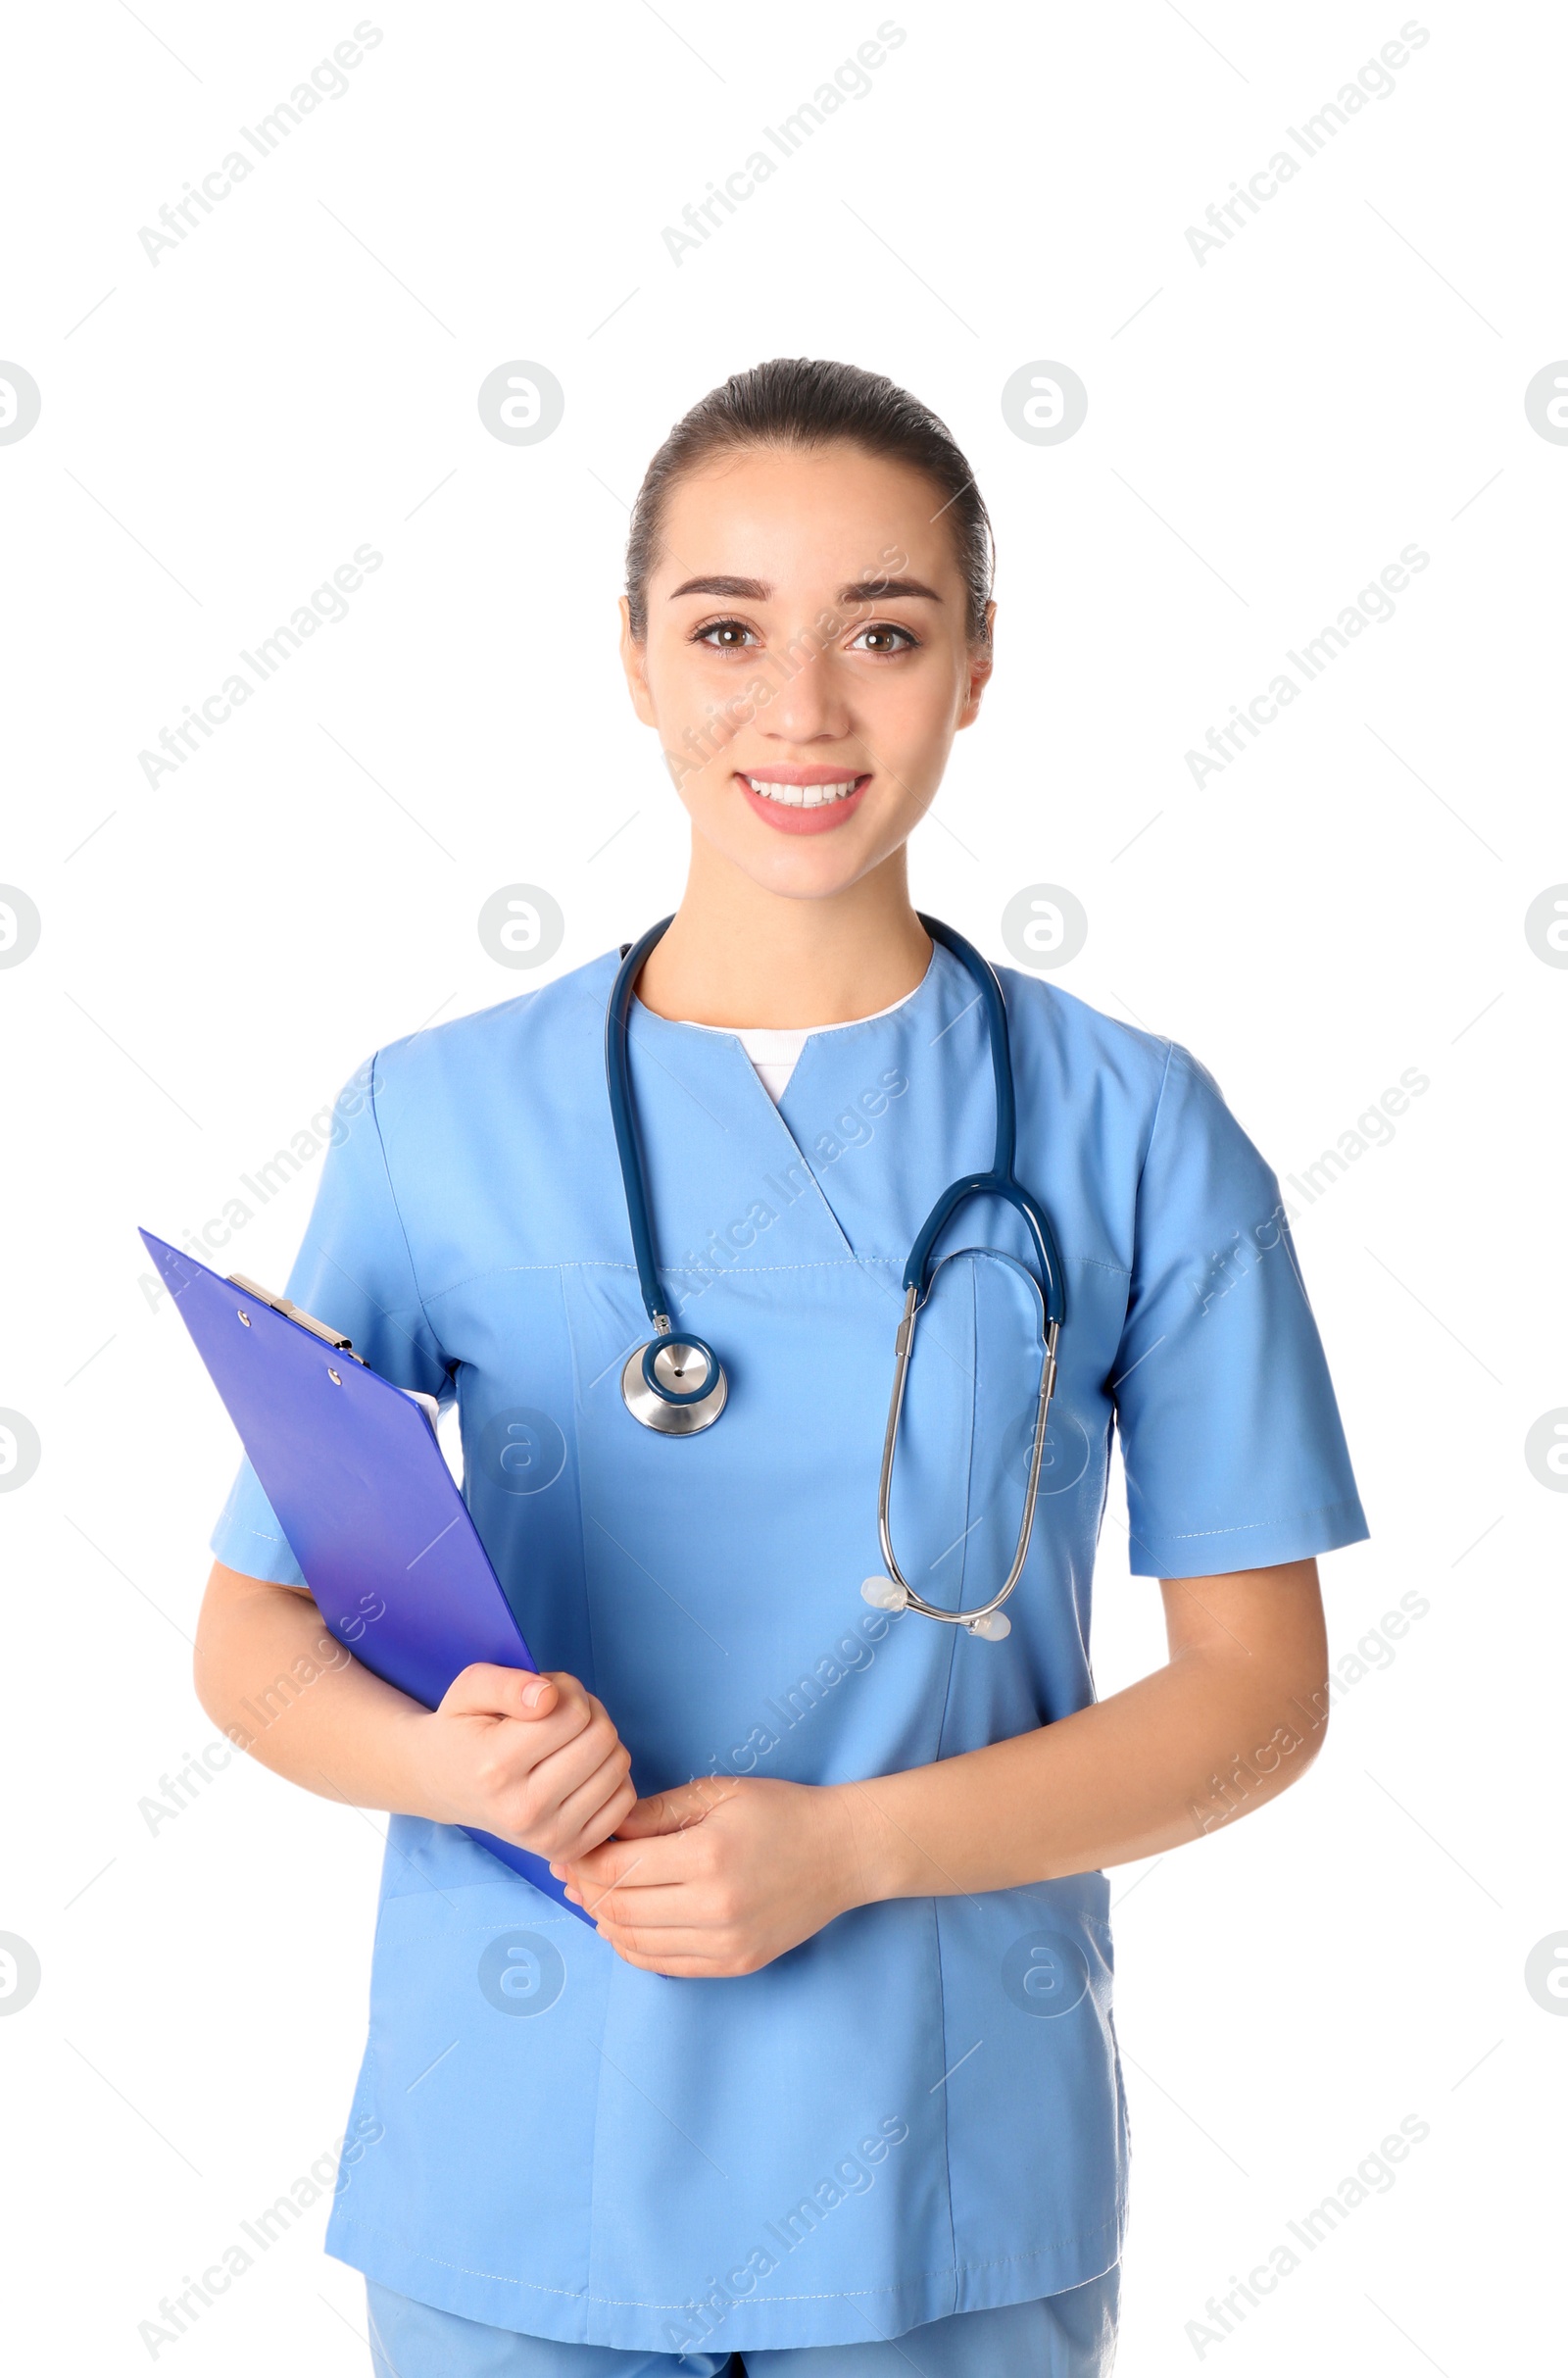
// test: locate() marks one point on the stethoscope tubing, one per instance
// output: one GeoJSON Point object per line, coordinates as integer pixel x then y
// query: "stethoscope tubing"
{"type": "Point", "coordinates": [654, 1403]}
{"type": "Point", "coordinates": [884, 1494]}
{"type": "Point", "coordinates": [623, 1119]}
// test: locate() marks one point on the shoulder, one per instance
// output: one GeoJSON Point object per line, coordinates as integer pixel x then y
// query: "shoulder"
{"type": "Point", "coordinates": [1125, 1086]}
{"type": "Point", "coordinates": [1048, 1023]}
{"type": "Point", "coordinates": [552, 1030]}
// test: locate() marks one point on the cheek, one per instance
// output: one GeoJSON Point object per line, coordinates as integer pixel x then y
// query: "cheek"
{"type": "Point", "coordinates": [910, 713]}
{"type": "Point", "coordinates": [700, 706]}
{"type": "Point", "coordinates": [705, 782]}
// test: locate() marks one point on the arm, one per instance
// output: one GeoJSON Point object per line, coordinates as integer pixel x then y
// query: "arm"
{"type": "Point", "coordinates": [724, 1876]}
{"type": "Point", "coordinates": [532, 1758]}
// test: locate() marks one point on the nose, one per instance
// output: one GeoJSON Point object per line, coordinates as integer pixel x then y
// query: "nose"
{"type": "Point", "coordinates": [813, 705]}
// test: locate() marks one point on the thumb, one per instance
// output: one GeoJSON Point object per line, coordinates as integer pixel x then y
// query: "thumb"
{"type": "Point", "coordinates": [485, 1690]}
{"type": "Point", "coordinates": [674, 1811]}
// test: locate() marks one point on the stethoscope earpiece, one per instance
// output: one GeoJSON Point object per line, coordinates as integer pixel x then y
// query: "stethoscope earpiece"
{"type": "Point", "coordinates": [883, 1595]}
{"type": "Point", "coordinates": [992, 1626]}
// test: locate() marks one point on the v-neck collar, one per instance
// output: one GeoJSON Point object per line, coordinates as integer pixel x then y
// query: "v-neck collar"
{"type": "Point", "coordinates": [877, 1116]}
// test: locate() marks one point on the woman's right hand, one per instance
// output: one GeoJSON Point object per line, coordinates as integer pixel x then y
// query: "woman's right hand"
{"type": "Point", "coordinates": [533, 1759]}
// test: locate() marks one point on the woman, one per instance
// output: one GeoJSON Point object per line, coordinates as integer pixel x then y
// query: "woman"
{"type": "Point", "coordinates": [835, 2087]}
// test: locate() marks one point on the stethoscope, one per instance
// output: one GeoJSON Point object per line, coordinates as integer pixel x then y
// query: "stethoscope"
{"type": "Point", "coordinates": [675, 1383]}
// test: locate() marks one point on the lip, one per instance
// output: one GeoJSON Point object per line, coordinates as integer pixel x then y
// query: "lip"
{"type": "Point", "coordinates": [823, 820]}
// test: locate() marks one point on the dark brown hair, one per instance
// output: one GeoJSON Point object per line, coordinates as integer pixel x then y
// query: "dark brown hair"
{"type": "Point", "coordinates": [793, 401]}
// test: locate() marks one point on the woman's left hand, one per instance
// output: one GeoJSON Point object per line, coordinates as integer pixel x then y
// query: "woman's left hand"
{"type": "Point", "coordinates": [721, 1876]}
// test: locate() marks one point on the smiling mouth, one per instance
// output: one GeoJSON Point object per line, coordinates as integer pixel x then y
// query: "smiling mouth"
{"type": "Point", "coordinates": [805, 796]}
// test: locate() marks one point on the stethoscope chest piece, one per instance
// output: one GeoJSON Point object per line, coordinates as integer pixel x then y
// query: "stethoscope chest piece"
{"type": "Point", "coordinates": [674, 1385]}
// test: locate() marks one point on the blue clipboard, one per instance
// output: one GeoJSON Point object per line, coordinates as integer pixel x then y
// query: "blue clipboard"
{"type": "Point", "coordinates": [372, 1514]}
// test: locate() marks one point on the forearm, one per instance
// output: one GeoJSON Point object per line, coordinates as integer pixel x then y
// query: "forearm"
{"type": "Point", "coordinates": [533, 1759]}
{"type": "Point", "coordinates": [1208, 1738]}
{"type": "Point", "coordinates": [284, 1689]}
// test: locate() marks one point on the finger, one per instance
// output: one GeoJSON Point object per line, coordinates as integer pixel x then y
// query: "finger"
{"type": "Point", "coordinates": [487, 1691]}
{"type": "Point", "coordinates": [574, 1692]}
{"type": "Point", "coordinates": [577, 1811]}
{"type": "Point", "coordinates": [658, 1941]}
{"type": "Point", "coordinates": [671, 1908]}
{"type": "Point", "coordinates": [508, 1758]}
{"type": "Point", "coordinates": [600, 1822]}
{"type": "Point", "coordinates": [592, 1894]}
{"type": "Point", "coordinates": [564, 1762]}
{"type": "Point", "coordinates": [658, 1861]}
{"type": "Point", "coordinates": [635, 1865]}
{"type": "Point", "coordinates": [511, 1752]}
{"type": "Point", "coordinates": [650, 1817]}
{"type": "Point", "coordinates": [552, 1692]}
{"type": "Point", "coordinates": [604, 1820]}
{"type": "Point", "coordinates": [679, 1964]}
{"type": "Point", "coordinates": [676, 1811]}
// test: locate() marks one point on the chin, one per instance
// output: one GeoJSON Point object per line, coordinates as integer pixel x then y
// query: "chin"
{"type": "Point", "coordinates": [807, 866]}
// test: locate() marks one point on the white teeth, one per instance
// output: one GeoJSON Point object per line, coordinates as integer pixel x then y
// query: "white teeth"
{"type": "Point", "coordinates": [802, 796]}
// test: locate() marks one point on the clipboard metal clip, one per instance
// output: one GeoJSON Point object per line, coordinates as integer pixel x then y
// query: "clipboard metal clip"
{"type": "Point", "coordinates": [296, 1312]}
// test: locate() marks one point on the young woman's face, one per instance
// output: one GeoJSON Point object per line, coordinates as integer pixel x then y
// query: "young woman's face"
{"type": "Point", "coordinates": [807, 661]}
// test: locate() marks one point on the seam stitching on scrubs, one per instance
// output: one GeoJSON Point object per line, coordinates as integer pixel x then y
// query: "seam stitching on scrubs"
{"type": "Point", "coordinates": [836, 1262]}
{"type": "Point", "coordinates": [391, 1190]}
{"type": "Point", "coordinates": [842, 2294]}
{"type": "Point", "coordinates": [1248, 1527]}
{"type": "Point", "coordinates": [695, 1272]}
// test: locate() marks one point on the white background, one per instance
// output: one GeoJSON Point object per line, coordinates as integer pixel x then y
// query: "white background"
{"type": "Point", "coordinates": [1266, 430]}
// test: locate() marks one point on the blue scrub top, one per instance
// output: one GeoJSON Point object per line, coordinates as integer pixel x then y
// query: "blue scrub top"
{"type": "Point", "coordinates": [919, 2111]}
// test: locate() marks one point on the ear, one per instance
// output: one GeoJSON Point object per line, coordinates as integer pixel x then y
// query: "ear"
{"type": "Point", "coordinates": [634, 661]}
{"type": "Point", "coordinates": [982, 660]}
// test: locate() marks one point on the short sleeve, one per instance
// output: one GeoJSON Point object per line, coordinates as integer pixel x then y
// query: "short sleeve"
{"type": "Point", "coordinates": [353, 1270]}
{"type": "Point", "coordinates": [1231, 1439]}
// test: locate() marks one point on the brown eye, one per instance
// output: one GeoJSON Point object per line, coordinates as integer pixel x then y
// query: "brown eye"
{"type": "Point", "coordinates": [723, 635]}
{"type": "Point", "coordinates": [885, 640]}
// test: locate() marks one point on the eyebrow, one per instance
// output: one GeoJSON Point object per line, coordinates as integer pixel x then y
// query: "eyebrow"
{"type": "Point", "coordinates": [861, 590]}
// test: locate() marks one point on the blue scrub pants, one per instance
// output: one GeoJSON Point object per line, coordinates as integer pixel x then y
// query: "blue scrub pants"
{"type": "Point", "coordinates": [1067, 2336]}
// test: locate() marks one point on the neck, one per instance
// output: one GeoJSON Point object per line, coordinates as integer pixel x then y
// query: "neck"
{"type": "Point", "coordinates": [740, 955]}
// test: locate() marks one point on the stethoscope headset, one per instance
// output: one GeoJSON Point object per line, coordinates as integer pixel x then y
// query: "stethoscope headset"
{"type": "Point", "coordinates": [675, 1383]}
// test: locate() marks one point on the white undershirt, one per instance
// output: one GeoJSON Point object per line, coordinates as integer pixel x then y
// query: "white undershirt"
{"type": "Point", "coordinates": [775, 1052]}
